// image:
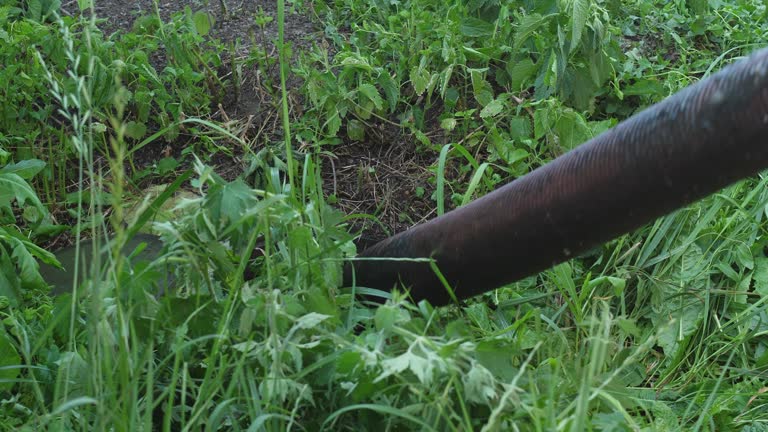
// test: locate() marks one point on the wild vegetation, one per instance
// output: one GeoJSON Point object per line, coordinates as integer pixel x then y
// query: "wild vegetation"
{"type": "Point", "coordinates": [118, 132]}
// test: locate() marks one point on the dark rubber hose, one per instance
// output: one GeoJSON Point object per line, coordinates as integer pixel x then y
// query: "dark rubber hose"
{"type": "Point", "coordinates": [692, 144]}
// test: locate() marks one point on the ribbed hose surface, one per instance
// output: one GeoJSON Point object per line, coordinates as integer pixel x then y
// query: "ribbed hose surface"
{"type": "Point", "coordinates": [675, 152]}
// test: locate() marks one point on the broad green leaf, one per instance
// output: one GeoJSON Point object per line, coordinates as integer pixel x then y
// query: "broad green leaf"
{"type": "Point", "coordinates": [547, 79]}
{"type": "Point", "coordinates": [25, 169]}
{"type": "Point", "coordinates": [388, 316]}
{"type": "Point", "coordinates": [420, 359]}
{"type": "Point", "coordinates": [698, 7]}
{"type": "Point", "coordinates": [445, 79]}
{"type": "Point", "coordinates": [74, 369]}
{"type": "Point", "coordinates": [644, 87]}
{"type": "Point", "coordinates": [310, 320]}
{"type": "Point", "coordinates": [333, 123]}
{"type": "Point", "coordinates": [391, 90]}
{"type": "Point", "coordinates": [527, 26]}
{"type": "Point", "coordinates": [355, 130]}
{"type": "Point", "coordinates": [744, 256]}
{"type": "Point", "coordinates": [480, 385]}
{"type": "Point", "coordinates": [448, 124]}
{"type": "Point", "coordinates": [579, 15]}
{"type": "Point", "coordinates": [598, 127]}
{"type": "Point", "coordinates": [29, 269]}
{"type": "Point", "coordinates": [10, 361]}
{"type": "Point", "coordinates": [475, 27]}
{"type": "Point", "coordinates": [572, 129]}
{"type": "Point", "coordinates": [230, 201]}
{"type": "Point", "coordinates": [10, 284]}
{"type": "Point", "coordinates": [761, 275]}
{"type": "Point", "coordinates": [370, 92]}
{"type": "Point", "coordinates": [135, 130]}
{"type": "Point", "coordinates": [478, 313]}
{"type": "Point", "coordinates": [348, 362]}
{"type": "Point", "coordinates": [35, 9]}
{"type": "Point", "coordinates": [167, 165]}
{"type": "Point", "coordinates": [520, 127]}
{"type": "Point", "coordinates": [12, 186]}
{"type": "Point", "coordinates": [356, 61]}
{"type": "Point", "coordinates": [203, 22]}
{"type": "Point", "coordinates": [498, 355]}
{"type": "Point", "coordinates": [419, 79]}
{"type": "Point", "coordinates": [521, 73]}
{"type": "Point", "coordinates": [482, 89]}
{"type": "Point", "coordinates": [494, 107]}
{"type": "Point", "coordinates": [475, 5]}
{"type": "Point", "coordinates": [543, 121]}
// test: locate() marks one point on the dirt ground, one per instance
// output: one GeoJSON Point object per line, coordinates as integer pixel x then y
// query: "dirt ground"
{"type": "Point", "coordinates": [378, 177]}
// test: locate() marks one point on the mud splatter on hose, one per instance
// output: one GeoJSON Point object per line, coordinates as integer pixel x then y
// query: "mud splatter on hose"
{"type": "Point", "coordinates": [692, 144]}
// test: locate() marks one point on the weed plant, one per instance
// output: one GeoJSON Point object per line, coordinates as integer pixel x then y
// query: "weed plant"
{"type": "Point", "coordinates": [661, 329]}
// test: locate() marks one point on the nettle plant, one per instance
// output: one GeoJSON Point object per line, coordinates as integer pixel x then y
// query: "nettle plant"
{"type": "Point", "coordinates": [171, 68]}
{"type": "Point", "coordinates": [484, 54]}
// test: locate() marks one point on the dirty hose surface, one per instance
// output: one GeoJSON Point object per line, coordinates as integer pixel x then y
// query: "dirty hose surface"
{"type": "Point", "coordinates": [675, 152]}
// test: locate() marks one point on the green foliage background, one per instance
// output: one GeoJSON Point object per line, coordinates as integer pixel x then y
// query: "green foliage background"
{"type": "Point", "coordinates": [661, 329]}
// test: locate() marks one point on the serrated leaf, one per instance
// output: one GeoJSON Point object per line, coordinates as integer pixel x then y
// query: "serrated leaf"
{"type": "Point", "coordinates": [230, 201]}
{"type": "Point", "coordinates": [310, 320]}
{"type": "Point", "coordinates": [494, 107]}
{"type": "Point", "coordinates": [519, 127]}
{"type": "Point", "coordinates": [419, 79]}
{"type": "Point", "coordinates": [166, 165]}
{"type": "Point", "coordinates": [480, 87]}
{"type": "Point", "coordinates": [579, 15]}
{"type": "Point", "coordinates": [448, 124]}
{"type": "Point", "coordinates": [34, 10]}
{"type": "Point", "coordinates": [521, 73]}
{"type": "Point", "coordinates": [546, 81]}
{"type": "Point", "coordinates": [370, 92]}
{"type": "Point", "coordinates": [572, 129]}
{"type": "Point", "coordinates": [528, 25]}
{"type": "Point", "coordinates": [333, 123]}
{"type": "Point", "coordinates": [479, 384]}
{"type": "Point", "coordinates": [391, 90]}
{"type": "Point", "coordinates": [388, 316]}
{"type": "Point", "coordinates": [356, 61]}
{"type": "Point", "coordinates": [542, 122]}
{"type": "Point", "coordinates": [420, 359]}
{"type": "Point", "coordinates": [135, 130]}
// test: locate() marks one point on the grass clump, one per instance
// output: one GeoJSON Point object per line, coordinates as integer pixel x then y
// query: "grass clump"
{"type": "Point", "coordinates": [661, 329]}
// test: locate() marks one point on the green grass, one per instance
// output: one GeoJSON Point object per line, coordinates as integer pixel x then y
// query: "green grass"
{"type": "Point", "coordinates": [661, 329]}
